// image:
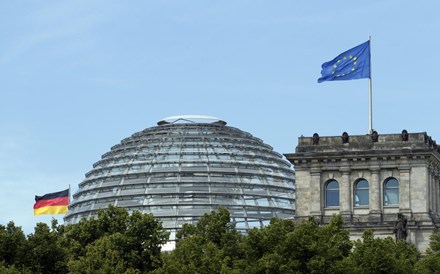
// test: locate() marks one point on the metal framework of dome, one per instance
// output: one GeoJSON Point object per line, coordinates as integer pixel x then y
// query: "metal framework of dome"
{"type": "Point", "coordinates": [184, 168]}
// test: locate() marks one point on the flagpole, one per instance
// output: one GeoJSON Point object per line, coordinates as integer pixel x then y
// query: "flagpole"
{"type": "Point", "coordinates": [371, 95]}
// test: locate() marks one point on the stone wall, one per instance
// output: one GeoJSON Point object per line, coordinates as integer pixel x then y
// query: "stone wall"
{"type": "Point", "coordinates": [413, 159]}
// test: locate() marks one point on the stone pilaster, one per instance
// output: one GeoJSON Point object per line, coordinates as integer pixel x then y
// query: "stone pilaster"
{"type": "Point", "coordinates": [437, 193]}
{"type": "Point", "coordinates": [404, 189]}
{"type": "Point", "coordinates": [435, 184]}
{"type": "Point", "coordinates": [375, 195]}
{"type": "Point", "coordinates": [430, 186]}
{"type": "Point", "coordinates": [345, 197]}
{"type": "Point", "coordinates": [316, 192]}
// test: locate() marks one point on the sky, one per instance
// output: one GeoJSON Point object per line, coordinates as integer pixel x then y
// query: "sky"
{"type": "Point", "coordinates": [77, 77]}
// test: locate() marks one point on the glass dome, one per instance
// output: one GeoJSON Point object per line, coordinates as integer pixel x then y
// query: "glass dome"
{"type": "Point", "coordinates": [187, 166]}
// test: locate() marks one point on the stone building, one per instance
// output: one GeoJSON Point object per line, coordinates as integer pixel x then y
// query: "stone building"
{"type": "Point", "coordinates": [370, 180]}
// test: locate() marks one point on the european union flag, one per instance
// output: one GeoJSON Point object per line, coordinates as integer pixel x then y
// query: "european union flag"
{"type": "Point", "coordinates": [352, 64]}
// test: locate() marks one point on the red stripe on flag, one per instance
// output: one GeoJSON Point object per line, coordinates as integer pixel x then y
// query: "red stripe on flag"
{"type": "Point", "coordinates": [52, 202]}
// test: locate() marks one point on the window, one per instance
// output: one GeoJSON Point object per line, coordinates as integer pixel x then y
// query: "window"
{"type": "Point", "coordinates": [361, 197]}
{"type": "Point", "coordinates": [391, 190]}
{"type": "Point", "coordinates": [332, 193]}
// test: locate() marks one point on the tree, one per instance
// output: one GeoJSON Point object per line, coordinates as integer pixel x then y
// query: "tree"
{"type": "Point", "coordinates": [46, 253]}
{"type": "Point", "coordinates": [105, 255]}
{"type": "Point", "coordinates": [210, 246]}
{"type": "Point", "coordinates": [12, 270]}
{"type": "Point", "coordinates": [376, 255]}
{"type": "Point", "coordinates": [214, 246]}
{"type": "Point", "coordinates": [13, 245]}
{"type": "Point", "coordinates": [431, 262]}
{"type": "Point", "coordinates": [261, 246]}
{"type": "Point", "coordinates": [115, 242]}
{"type": "Point", "coordinates": [305, 248]}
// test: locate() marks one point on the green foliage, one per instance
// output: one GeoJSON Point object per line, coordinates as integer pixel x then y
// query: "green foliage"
{"type": "Point", "coordinates": [105, 255]}
{"type": "Point", "coordinates": [283, 247]}
{"type": "Point", "coordinates": [46, 254]}
{"type": "Point", "coordinates": [118, 242]}
{"type": "Point", "coordinates": [210, 246]}
{"type": "Point", "coordinates": [431, 262]}
{"type": "Point", "coordinates": [214, 246]}
{"type": "Point", "coordinates": [12, 270]}
{"type": "Point", "coordinates": [13, 245]}
{"type": "Point", "coordinates": [115, 242]}
{"type": "Point", "coordinates": [376, 255]}
{"type": "Point", "coordinates": [434, 245]}
{"type": "Point", "coordinates": [261, 246]}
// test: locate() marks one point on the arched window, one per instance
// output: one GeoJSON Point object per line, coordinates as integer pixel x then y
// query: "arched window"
{"type": "Point", "coordinates": [391, 191]}
{"type": "Point", "coordinates": [361, 197]}
{"type": "Point", "coordinates": [332, 193]}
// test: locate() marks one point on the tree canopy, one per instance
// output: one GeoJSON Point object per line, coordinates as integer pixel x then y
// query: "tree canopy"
{"type": "Point", "coordinates": [114, 242]}
{"type": "Point", "coordinates": [117, 241]}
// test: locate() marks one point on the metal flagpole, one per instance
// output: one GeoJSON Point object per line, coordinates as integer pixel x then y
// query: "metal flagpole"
{"type": "Point", "coordinates": [371, 95]}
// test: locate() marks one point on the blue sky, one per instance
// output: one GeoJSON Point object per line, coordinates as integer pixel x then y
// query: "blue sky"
{"type": "Point", "coordinates": [76, 77]}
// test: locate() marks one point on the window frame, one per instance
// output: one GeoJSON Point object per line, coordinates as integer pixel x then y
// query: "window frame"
{"type": "Point", "coordinates": [328, 191]}
{"type": "Point", "coordinates": [389, 189]}
{"type": "Point", "coordinates": [364, 189]}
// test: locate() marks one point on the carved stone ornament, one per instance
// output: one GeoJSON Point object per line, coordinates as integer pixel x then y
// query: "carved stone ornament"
{"type": "Point", "coordinates": [374, 136]}
{"type": "Point", "coordinates": [315, 139]}
{"type": "Point", "coordinates": [400, 227]}
{"type": "Point", "coordinates": [404, 135]}
{"type": "Point", "coordinates": [345, 138]}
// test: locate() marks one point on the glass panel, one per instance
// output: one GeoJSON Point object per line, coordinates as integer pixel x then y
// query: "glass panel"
{"type": "Point", "coordinates": [107, 193]}
{"type": "Point", "coordinates": [283, 203]}
{"type": "Point", "coordinates": [249, 200]}
{"type": "Point", "coordinates": [392, 183]}
{"type": "Point", "coordinates": [132, 191]}
{"type": "Point", "coordinates": [362, 184]}
{"type": "Point", "coordinates": [159, 200]}
{"type": "Point", "coordinates": [333, 185]}
{"type": "Point", "coordinates": [134, 181]}
{"type": "Point", "coordinates": [102, 204]}
{"type": "Point", "coordinates": [240, 223]}
{"type": "Point", "coordinates": [131, 202]}
{"type": "Point", "coordinates": [136, 167]}
{"type": "Point", "coordinates": [263, 201]}
{"type": "Point", "coordinates": [253, 224]}
{"type": "Point", "coordinates": [361, 196]}
{"type": "Point", "coordinates": [332, 198]}
{"type": "Point", "coordinates": [332, 194]}
{"type": "Point", "coordinates": [391, 196]}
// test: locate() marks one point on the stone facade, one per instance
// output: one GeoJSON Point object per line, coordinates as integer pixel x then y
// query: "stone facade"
{"type": "Point", "coordinates": [402, 173]}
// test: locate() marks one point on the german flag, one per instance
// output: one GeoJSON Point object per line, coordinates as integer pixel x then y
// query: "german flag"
{"type": "Point", "coordinates": [52, 203]}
